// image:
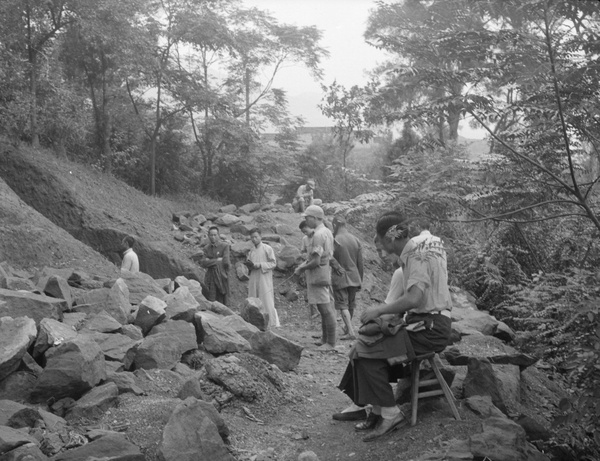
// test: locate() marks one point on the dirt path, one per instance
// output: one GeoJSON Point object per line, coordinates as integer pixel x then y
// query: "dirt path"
{"type": "Point", "coordinates": [307, 423]}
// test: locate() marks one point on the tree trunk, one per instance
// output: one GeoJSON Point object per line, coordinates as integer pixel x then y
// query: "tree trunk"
{"type": "Point", "coordinates": [35, 138]}
{"type": "Point", "coordinates": [105, 148]}
{"type": "Point", "coordinates": [153, 166]}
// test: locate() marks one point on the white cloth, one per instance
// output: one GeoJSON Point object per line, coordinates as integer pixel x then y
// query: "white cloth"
{"type": "Point", "coordinates": [261, 280]}
{"type": "Point", "coordinates": [396, 287]}
{"type": "Point", "coordinates": [424, 262]}
{"type": "Point", "coordinates": [130, 262]}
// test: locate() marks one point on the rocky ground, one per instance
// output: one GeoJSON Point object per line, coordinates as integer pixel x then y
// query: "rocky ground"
{"type": "Point", "coordinates": [45, 205]}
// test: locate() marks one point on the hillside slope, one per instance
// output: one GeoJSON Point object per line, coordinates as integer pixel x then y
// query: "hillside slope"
{"type": "Point", "coordinates": [96, 209]}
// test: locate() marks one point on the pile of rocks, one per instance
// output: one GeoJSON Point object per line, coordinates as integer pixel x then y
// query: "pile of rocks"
{"type": "Point", "coordinates": [71, 343]}
{"type": "Point", "coordinates": [505, 388]}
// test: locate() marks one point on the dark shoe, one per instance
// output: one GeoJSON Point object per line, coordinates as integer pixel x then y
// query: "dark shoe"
{"type": "Point", "coordinates": [386, 427]}
{"type": "Point", "coordinates": [369, 423]}
{"type": "Point", "coordinates": [350, 415]}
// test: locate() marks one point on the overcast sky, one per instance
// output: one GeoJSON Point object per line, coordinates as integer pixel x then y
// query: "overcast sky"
{"type": "Point", "coordinates": [342, 23]}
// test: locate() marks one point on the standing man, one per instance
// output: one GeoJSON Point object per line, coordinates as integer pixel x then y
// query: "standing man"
{"type": "Point", "coordinates": [318, 275]}
{"type": "Point", "coordinates": [216, 262]}
{"type": "Point", "coordinates": [347, 273]}
{"type": "Point", "coordinates": [261, 261]}
{"type": "Point", "coordinates": [306, 238]}
{"type": "Point", "coordinates": [130, 261]}
{"type": "Point", "coordinates": [304, 196]}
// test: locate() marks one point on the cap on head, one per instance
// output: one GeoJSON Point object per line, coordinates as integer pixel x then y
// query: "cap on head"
{"type": "Point", "coordinates": [314, 211]}
{"type": "Point", "coordinates": [339, 219]}
{"type": "Point", "coordinates": [311, 183]}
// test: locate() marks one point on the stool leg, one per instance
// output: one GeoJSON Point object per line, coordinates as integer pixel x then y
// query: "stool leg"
{"type": "Point", "coordinates": [447, 392]}
{"type": "Point", "coordinates": [414, 391]}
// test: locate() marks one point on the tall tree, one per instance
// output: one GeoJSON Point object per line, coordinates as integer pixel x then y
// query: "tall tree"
{"type": "Point", "coordinates": [436, 48]}
{"type": "Point", "coordinates": [347, 109]}
{"type": "Point", "coordinates": [97, 51]}
{"type": "Point", "coordinates": [28, 28]}
{"type": "Point", "coordinates": [233, 100]}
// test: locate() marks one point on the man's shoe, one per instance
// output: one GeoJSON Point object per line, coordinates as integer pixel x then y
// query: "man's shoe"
{"type": "Point", "coordinates": [370, 423]}
{"type": "Point", "coordinates": [350, 415]}
{"type": "Point", "coordinates": [386, 427]}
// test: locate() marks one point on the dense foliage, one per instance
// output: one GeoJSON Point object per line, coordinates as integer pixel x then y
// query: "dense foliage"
{"type": "Point", "coordinates": [168, 95]}
{"type": "Point", "coordinates": [522, 216]}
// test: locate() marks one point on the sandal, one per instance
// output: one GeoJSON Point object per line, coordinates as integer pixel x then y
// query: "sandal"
{"type": "Point", "coordinates": [369, 423]}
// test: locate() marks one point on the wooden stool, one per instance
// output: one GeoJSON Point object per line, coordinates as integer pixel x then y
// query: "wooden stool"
{"type": "Point", "coordinates": [417, 384]}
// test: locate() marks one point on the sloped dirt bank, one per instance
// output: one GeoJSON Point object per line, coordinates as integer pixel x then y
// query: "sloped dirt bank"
{"type": "Point", "coordinates": [96, 209]}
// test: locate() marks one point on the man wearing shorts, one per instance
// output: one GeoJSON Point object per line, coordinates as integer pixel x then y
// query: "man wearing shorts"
{"type": "Point", "coordinates": [347, 273]}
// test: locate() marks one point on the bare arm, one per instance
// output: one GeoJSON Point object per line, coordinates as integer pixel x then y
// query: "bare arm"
{"type": "Point", "coordinates": [411, 299]}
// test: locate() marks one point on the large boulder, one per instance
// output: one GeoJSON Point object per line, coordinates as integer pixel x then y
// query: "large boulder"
{"type": "Point", "coordinates": [101, 322]}
{"type": "Point", "coordinates": [141, 285]}
{"type": "Point", "coordinates": [24, 304]}
{"type": "Point", "coordinates": [52, 333]}
{"type": "Point", "coordinates": [228, 372]}
{"type": "Point", "coordinates": [115, 346]}
{"type": "Point", "coordinates": [13, 438]}
{"type": "Point", "coordinates": [125, 382]}
{"type": "Point", "coordinates": [18, 283]}
{"type": "Point", "coordinates": [287, 257]}
{"type": "Point", "coordinates": [181, 305]}
{"type": "Point", "coordinates": [27, 452]}
{"type": "Point", "coordinates": [150, 312]}
{"type": "Point", "coordinates": [275, 349]}
{"type": "Point", "coordinates": [16, 335]}
{"type": "Point", "coordinates": [72, 369]}
{"type": "Point", "coordinates": [503, 440]}
{"type": "Point", "coordinates": [111, 447]}
{"type": "Point", "coordinates": [217, 337]}
{"type": "Point", "coordinates": [192, 435]}
{"type": "Point", "coordinates": [103, 299]}
{"type": "Point", "coordinates": [500, 382]}
{"type": "Point", "coordinates": [227, 220]}
{"type": "Point", "coordinates": [242, 272]}
{"type": "Point", "coordinates": [18, 386]}
{"type": "Point", "coordinates": [58, 287]}
{"type": "Point", "coordinates": [252, 312]}
{"type": "Point", "coordinates": [249, 207]}
{"type": "Point", "coordinates": [165, 344]}
{"type": "Point", "coordinates": [241, 249]}
{"type": "Point", "coordinates": [95, 402]}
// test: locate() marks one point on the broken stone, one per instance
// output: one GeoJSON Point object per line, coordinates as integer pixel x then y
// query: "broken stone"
{"type": "Point", "coordinates": [16, 335]}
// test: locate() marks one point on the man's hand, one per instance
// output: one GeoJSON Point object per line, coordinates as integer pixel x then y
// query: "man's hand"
{"type": "Point", "coordinates": [368, 315]}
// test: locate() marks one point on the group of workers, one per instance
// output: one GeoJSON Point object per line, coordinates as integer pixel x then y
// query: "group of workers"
{"type": "Point", "coordinates": [413, 320]}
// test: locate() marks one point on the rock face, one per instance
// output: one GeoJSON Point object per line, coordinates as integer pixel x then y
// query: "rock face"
{"type": "Point", "coordinates": [165, 344]}
{"type": "Point", "coordinates": [72, 369]}
{"type": "Point", "coordinates": [37, 307]}
{"type": "Point", "coordinates": [16, 335]}
{"type": "Point", "coordinates": [191, 435]}
{"type": "Point", "coordinates": [104, 299]}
